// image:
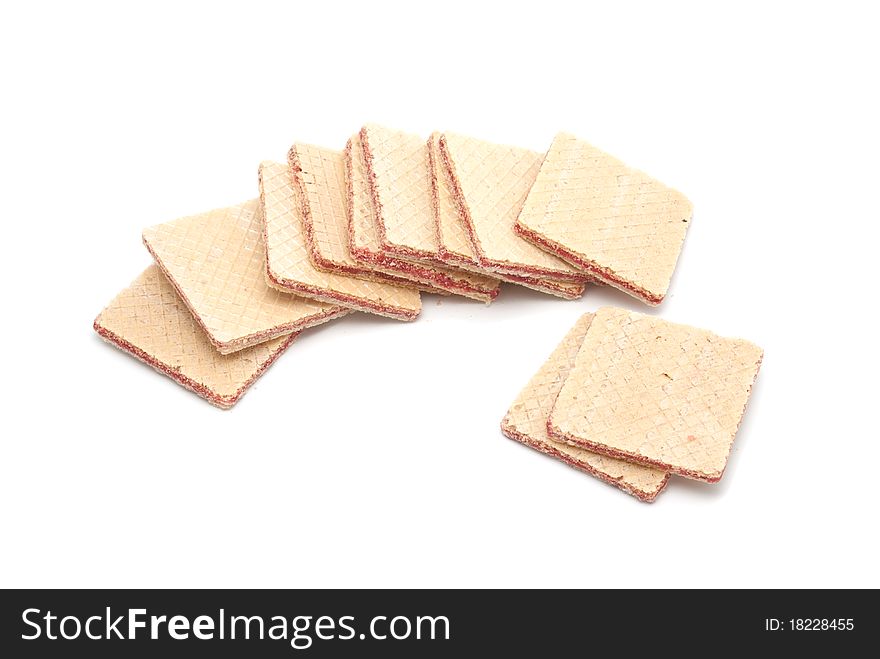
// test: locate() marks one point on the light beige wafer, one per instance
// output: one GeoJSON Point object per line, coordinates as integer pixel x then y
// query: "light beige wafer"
{"type": "Point", "coordinates": [657, 393]}
{"type": "Point", "coordinates": [614, 222]}
{"type": "Point", "coordinates": [491, 182]}
{"type": "Point", "coordinates": [526, 422]}
{"type": "Point", "coordinates": [400, 185]}
{"type": "Point", "coordinates": [454, 244]}
{"type": "Point", "coordinates": [150, 321]}
{"type": "Point", "coordinates": [215, 261]}
{"type": "Point", "coordinates": [326, 229]}
{"type": "Point", "coordinates": [366, 246]}
{"type": "Point", "coordinates": [285, 200]}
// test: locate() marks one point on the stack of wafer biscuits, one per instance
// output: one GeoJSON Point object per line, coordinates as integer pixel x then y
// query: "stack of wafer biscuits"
{"type": "Point", "coordinates": [372, 224]}
{"type": "Point", "coordinates": [631, 399]}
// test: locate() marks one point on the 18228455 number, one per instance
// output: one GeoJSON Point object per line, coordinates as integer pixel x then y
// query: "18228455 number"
{"type": "Point", "coordinates": [821, 624]}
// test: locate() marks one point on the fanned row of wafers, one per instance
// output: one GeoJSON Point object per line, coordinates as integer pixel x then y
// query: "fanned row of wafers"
{"type": "Point", "coordinates": [369, 226]}
{"type": "Point", "coordinates": [626, 397]}
{"type": "Point", "coordinates": [631, 399]}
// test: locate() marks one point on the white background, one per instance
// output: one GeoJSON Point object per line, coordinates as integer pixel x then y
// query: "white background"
{"type": "Point", "coordinates": [370, 454]}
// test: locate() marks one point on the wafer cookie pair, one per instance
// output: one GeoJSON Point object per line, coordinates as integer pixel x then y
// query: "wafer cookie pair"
{"type": "Point", "coordinates": [150, 321]}
{"type": "Point", "coordinates": [204, 314]}
{"type": "Point", "coordinates": [631, 398]}
{"type": "Point", "coordinates": [574, 214]}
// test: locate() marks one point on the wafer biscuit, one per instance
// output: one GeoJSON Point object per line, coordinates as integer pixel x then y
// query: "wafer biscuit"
{"type": "Point", "coordinates": [215, 261]}
{"type": "Point", "coordinates": [454, 244]}
{"type": "Point", "coordinates": [151, 322]}
{"type": "Point", "coordinates": [400, 187]}
{"type": "Point", "coordinates": [490, 183]}
{"type": "Point", "coordinates": [614, 222]}
{"type": "Point", "coordinates": [285, 199]}
{"type": "Point", "coordinates": [366, 246]}
{"type": "Point", "coordinates": [657, 393]}
{"type": "Point", "coordinates": [526, 422]}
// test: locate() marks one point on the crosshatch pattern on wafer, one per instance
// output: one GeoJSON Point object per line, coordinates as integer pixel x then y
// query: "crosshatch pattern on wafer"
{"type": "Point", "coordinates": [455, 246]}
{"type": "Point", "coordinates": [454, 243]}
{"type": "Point", "coordinates": [491, 182]}
{"type": "Point", "coordinates": [150, 321]}
{"type": "Point", "coordinates": [284, 201]}
{"type": "Point", "coordinates": [526, 422]}
{"type": "Point", "coordinates": [366, 245]}
{"type": "Point", "coordinates": [326, 226]}
{"type": "Point", "coordinates": [363, 232]}
{"type": "Point", "coordinates": [399, 177]}
{"type": "Point", "coordinates": [215, 260]}
{"type": "Point", "coordinates": [656, 392]}
{"type": "Point", "coordinates": [613, 221]}
{"type": "Point", "coordinates": [326, 230]}
{"type": "Point", "coordinates": [625, 397]}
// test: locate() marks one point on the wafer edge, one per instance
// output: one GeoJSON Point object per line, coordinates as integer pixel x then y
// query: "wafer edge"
{"type": "Point", "coordinates": [547, 449]}
{"type": "Point", "coordinates": [249, 340]}
{"type": "Point", "coordinates": [593, 269]}
{"type": "Point", "coordinates": [221, 401]}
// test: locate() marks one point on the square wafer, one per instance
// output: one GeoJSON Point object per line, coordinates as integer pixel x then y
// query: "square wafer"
{"type": "Point", "coordinates": [285, 200]}
{"type": "Point", "coordinates": [150, 321]}
{"type": "Point", "coordinates": [612, 221]}
{"type": "Point", "coordinates": [400, 186]}
{"type": "Point", "coordinates": [490, 183]}
{"type": "Point", "coordinates": [454, 244]}
{"type": "Point", "coordinates": [656, 393]}
{"type": "Point", "coordinates": [215, 261]}
{"type": "Point", "coordinates": [526, 422]}
{"type": "Point", "coordinates": [366, 244]}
